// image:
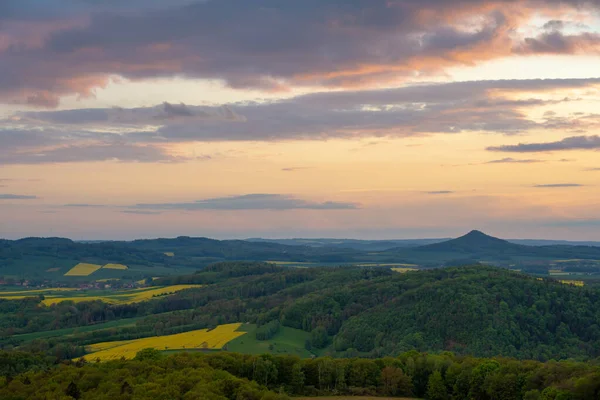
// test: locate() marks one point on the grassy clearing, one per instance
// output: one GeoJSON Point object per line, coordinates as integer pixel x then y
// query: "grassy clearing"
{"type": "Point", "coordinates": [121, 297]}
{"type": "Point", "coordinates": [83, 269]}
{"type": "Point", "coordinates": [199, 339]}
{"type": "Point", "coordinates": [286, 341]}
{"type": "Point", "coordinates": [115, 266]}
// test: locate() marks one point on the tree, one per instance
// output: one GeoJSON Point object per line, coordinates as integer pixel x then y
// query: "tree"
{"type": "Point", "coordinates": [395, 382]}
{"type": "Point", "coordinates": [297, 378]}
{"type": "Point", "coordinates": [436, 389]}
{"type": "Point", "coordinates": [73, 391]}
{"type": "Point", "coordinates": [148, 354]}
{"type": "Point", "coordinates": [319, 337]}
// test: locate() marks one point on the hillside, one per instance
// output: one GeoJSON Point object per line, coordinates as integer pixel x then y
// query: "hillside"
{"type": "Point", "coordinates": [351, 311]}
{"type": "Point", "coordinates": [475, 242]}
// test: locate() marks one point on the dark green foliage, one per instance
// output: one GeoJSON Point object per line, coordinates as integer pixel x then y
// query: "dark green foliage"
{"type": "Point", "coordinates": [436, 389]}
{"type": "Point", "coordinates": [73, 391]}
{"type": "Point", "coordinates": [15, 362]}
{"type": "Point", "coordinates": [234, 376]}
{"type": "Point", "coordinates": [268, 330]}
{"type": "Point", "coordinates": [319, 338]}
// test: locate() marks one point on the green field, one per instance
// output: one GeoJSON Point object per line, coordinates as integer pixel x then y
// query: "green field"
{"type": "Point", "coordinates": [286, 341]}
{"type": "Point", "coordinates": [26, 337]}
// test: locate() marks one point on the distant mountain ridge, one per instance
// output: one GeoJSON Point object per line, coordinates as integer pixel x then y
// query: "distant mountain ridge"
{"type": "Point", "coordinates": [386, 244]}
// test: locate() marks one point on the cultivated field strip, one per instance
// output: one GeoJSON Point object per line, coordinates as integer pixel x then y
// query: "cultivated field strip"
{"type": "Point", "coordinates": [198, 339]}
{"type": "Point", "coordinates": [123, 297]}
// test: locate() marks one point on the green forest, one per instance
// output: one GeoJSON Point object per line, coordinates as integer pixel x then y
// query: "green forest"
{"type": "Point", "coordinates": [152, 375]}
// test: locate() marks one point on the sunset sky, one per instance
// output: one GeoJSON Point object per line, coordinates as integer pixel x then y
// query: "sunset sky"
{"type": "Point", "coordinates": [369, 119]}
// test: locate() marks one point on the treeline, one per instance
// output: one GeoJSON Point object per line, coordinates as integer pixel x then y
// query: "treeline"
{"type": "Point", "coordinates": [149, 376]}
{"type": "Point", "coordinates": [434, 377]}
{"type": "Point", "coordinates": [246, 377]}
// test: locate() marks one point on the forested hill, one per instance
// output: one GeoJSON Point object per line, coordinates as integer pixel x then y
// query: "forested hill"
{"type": "Point", "coordinates": [477, 246]}
{"type": "Point", "coordinates": [480, 311]}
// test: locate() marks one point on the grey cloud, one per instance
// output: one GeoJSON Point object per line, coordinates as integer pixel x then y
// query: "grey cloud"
{"type": "Point", "coordinates": [123, 134]}
{"type": "Point", "coordinates": [436, 192]}
{"type": "Point", "coordinates": [17, 197]}
{"type": "Point", "coordinates": [571, 143]}
{"type": "Point", "coordinates": [92, 153]}
{"type": "Point", "coordinates": [251, 202]}
{"type": "Point", "coordinates": [84, 205]}
{"type": "Point", "coordinates": [118, 116]}
{"type": "Point", "coordinates": [555, 42]}
{"type": "Point", "coordinates": [140, 212]}
{"type": "Point", "coordinates": [509, 160]}
{"type": "Point", "coordinates": [265, 44]}
{"type": "Point", "coordinates": [559, 185]}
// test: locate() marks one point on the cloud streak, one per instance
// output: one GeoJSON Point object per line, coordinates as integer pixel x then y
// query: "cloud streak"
{"type": "Point", "coordinates": [251, 202]}
{"type": "Point", "coordinates": [17, 197]}
{"type": "Point", "coordinates": [559, 185]}
{"type": "Point", "coordinates": [570, 143]}
{"type": "Point", "coordinates": [509, 160]}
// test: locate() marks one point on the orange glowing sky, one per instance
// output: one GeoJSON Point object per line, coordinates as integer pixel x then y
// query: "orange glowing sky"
{"type": "Point", "coordinates": [358, 119]}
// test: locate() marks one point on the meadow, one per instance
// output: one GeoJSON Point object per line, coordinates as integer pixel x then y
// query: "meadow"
{"type": "Point", "coordinates": [119, 296]}
{"type": "Point", "coordinates": [202, 339]}
{"type": "Point", "coordinates": [287, 341]}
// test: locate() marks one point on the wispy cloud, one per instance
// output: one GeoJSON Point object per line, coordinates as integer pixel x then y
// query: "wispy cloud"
{"type": "Point", "coordinates": [251, 202]}
{"type": "Point", "coordinates": [559, 185]}
{"type": "Point", "coordinates": [17, 197]}
{"type": "Point", "coordinates": [84, 205]}
{"type": "Point", "coordinates": [509, 160]}
{"type": "Point", "coordinates": [140, 212]}
{"type": "Point", "coordinates": [439, 192]}
{"type": "Point", "coordinates": [292, 169]}
{"type": "Point", "coordinates": [570, 143]}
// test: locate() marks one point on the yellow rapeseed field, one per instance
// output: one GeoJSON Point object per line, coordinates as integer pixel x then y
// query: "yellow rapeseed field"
{"type": "Point", "coordinates": [49, 300]}
{"type": "Point", "coordinates": [127, 297]}
{"type": "Point", "coordinates": [115, 266]}
{"type": "Point", "coordinates": [574, 283]}
{"type": "Point", "coordinates": [83, 269]}
{"type": "Point", "coordinates": [199, 339]}
{"type": "Point", "coordinates": [170, 254]}
{"type": "Point", "coordinates": [403, 270]}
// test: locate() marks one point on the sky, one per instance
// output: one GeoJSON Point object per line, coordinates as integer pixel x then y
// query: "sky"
{"type": "Point", "coordinates": [368, 119]}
